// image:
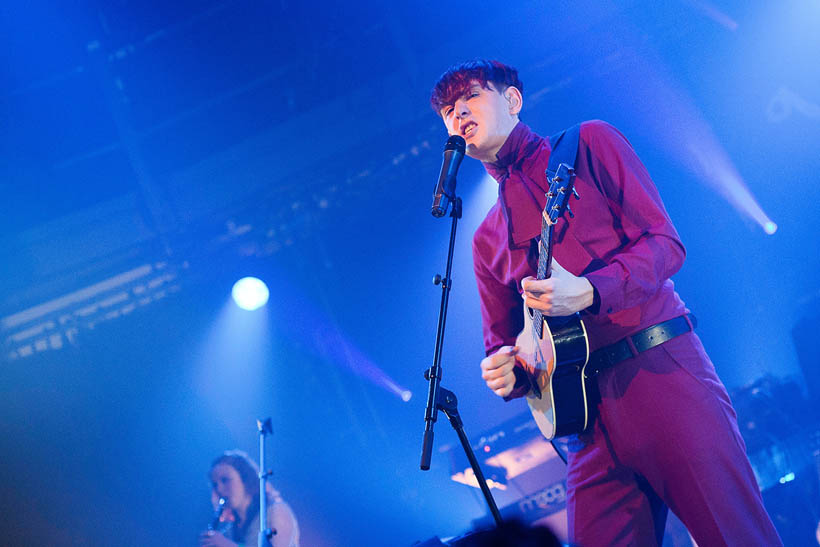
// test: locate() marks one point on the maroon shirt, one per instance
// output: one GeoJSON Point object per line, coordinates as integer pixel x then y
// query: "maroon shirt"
{"type": "Point", "coordinates": [621, 239]}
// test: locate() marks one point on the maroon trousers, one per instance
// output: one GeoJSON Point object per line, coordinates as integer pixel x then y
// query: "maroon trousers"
{"type": "Point", "coordinates": [665, 436]}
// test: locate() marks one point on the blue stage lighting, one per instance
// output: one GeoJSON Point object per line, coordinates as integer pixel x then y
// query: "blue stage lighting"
{"type": "Point", "coordinates": [770, 227]}
{"type": "Point", "coordinates": [250, 293]}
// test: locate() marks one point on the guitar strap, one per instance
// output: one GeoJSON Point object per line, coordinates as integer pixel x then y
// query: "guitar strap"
{"type": "Point", "coordinates": [564, 149]}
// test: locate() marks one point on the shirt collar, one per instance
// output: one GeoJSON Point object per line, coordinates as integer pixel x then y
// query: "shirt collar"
{"type": "Point", "coordinates": [521, 143]}
{"type": "Point", "coordinates": [520, 172]}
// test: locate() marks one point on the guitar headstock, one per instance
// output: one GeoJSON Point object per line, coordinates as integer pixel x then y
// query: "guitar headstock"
{"type": "Point", "coordinates": [562, 184]}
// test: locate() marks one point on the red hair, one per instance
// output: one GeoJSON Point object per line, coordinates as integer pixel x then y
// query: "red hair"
{"type": "Point", "coordinates": [456, 81]}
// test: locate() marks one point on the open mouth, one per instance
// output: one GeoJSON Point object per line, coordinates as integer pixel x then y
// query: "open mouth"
{"type": "Point", "coordinates": [469, 129]}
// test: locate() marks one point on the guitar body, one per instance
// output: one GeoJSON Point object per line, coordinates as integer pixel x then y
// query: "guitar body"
{"type": "Point", "coordinates": [557, 360]}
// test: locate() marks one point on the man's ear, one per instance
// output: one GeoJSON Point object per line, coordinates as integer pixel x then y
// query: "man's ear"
{"type": "Point", "coordinates": [515, 100]}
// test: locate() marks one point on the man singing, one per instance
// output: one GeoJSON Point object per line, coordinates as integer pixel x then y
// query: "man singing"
{"type": "Point", "coordinates": [664, 434]}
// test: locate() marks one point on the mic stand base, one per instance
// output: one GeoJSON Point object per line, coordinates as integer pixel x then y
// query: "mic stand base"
{"type": "Point", "coordinates": [448, 403]}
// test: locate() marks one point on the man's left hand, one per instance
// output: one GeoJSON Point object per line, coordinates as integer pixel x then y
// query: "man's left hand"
{"type": "Point", "coordinates": [562, 294]}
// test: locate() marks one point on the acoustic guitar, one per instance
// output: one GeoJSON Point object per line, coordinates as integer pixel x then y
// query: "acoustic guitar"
{"type": "Point", "coordinates": [555, 350]}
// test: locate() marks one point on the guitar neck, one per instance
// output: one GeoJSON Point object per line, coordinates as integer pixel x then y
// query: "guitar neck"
{"type": "Point", "coordinates": [545, 249]}
{"type": "Point", "coordinates": [544, 266]}
{"type": "Point", "coordinates": [561, 186]}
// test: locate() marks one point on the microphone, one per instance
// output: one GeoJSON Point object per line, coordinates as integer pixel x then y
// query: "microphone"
{"type": "Point", "coordinates": [445, 189]}
{"type": "Point", "coordinates": [220, 508]}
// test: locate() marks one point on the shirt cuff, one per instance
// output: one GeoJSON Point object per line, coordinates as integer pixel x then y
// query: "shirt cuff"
{"type": "Point", "coordinates": [522, 382]}
{"type": "Point", "coordinates": [595, 307]}
{"type": "Point", "coordinates": [605, 290]}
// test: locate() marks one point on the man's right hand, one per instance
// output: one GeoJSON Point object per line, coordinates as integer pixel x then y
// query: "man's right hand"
{"type": "Point", "coordinates": [497, 370]}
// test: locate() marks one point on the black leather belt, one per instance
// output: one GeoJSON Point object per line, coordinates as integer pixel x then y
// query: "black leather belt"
{"type": "Point", "coordinates": [649, 337]}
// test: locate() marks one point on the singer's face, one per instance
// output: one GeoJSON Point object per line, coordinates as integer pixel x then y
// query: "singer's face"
{"type": "Point", "coordinates": [484, 117]}
{"type": "Point", "coordinates": [228, 484]}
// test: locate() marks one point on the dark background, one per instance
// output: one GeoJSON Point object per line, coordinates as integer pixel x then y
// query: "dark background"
{"type": "Point", "coordinates": [204, 141]}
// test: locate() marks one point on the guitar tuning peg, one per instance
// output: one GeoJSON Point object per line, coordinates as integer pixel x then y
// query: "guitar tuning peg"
{"type": "Point", "coordinates": [569, 212]}
{"type": "Point", "coordinates": [575, 193]}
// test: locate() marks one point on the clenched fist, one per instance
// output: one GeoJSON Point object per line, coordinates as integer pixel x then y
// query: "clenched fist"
{"type": "Point", "coordinates": [497, 370]}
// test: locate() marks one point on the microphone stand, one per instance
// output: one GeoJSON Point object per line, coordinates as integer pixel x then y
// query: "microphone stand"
{"type": "Point", "coordinates": [265, 533]}
{"type": "Point", "coordinates": [440, 398]}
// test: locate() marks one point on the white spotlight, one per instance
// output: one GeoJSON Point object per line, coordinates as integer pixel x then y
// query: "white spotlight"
{"type": "Point", "coordinates": [770, 227]}
{"type": "Point", "coordinates": [250, 293]}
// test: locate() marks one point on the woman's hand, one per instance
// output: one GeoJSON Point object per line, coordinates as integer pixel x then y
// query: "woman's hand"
{"type": "Point", "coordinates": [214, 539]}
